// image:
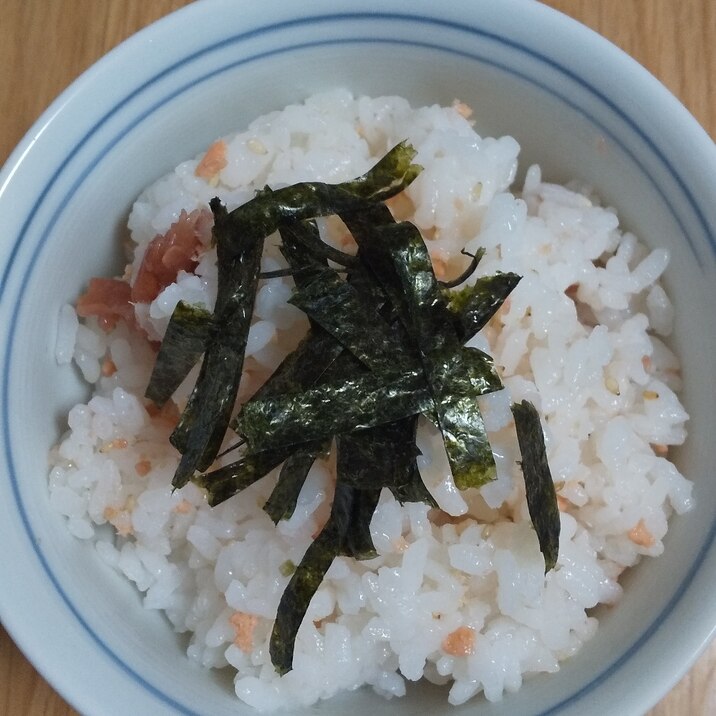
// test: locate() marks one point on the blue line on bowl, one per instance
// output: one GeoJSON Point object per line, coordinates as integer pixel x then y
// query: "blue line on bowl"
{"type": "Point", "coordinates": [474, 31]}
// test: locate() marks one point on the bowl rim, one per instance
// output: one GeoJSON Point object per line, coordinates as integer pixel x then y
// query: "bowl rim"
{"type": "Point", "coordinates": [184, 15]}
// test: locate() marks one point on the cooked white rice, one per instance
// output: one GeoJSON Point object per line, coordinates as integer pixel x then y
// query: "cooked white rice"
{"type": "Point", "coordinates": [457, 595]}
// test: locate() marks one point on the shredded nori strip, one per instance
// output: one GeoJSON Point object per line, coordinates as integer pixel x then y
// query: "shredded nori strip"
{"type": "Point", "coordinates": [343, 312]}
{"type": "Point", "coordinates": [539, 486]}
{"type": "Point", "coordinates": [184, 342]}
{"type": "Point", "coordinates": [456, 381]}
{"type": "Point", "coordinates": [319, 250]}
{"type": "Point", "coordinates": [384, 456]}
{"type": "Point", "coordinates": [269, 209]}
{"type": "Point", "coordinates": [282, 500]}
{"type": "Point", "coordinates": [365, 225]}
{"type": "Point", "coordinates": [278, 273]}
{"type": "Point", "coordinates": [386, 344]}
{"type": "Point", "coordinates": [475, 260]}
{"type": "Point", "coordinates": [302, 367]}
{"type": "Point", "coordinates": [227, 481]}
{"type": "Point", "coordinates": [303, 248]}
{"type": "Point", "coordinates": [358, 542]}
{"type": "Point", "coordinates": [318, 350]}
{"type": "Point", "coordinates": [331, 408]}
{"type": "Point", "coordinates": [473, 306]}
{"type": "Point", "coordinates": [455, 375]}
{"type": "Point", "coordinates": [399, 258]}
{"type": "Point", "coordinates": [203, 424]}
{"type": "Point", "coordinates": [308, 577]}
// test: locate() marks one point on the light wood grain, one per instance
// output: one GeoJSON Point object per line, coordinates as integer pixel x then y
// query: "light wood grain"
{"type": "Point", "coordinates": [45, 44]}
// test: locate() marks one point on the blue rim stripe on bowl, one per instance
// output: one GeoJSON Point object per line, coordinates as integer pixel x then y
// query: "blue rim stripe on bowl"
{"type": "Point", "coordinates": [231, 40]}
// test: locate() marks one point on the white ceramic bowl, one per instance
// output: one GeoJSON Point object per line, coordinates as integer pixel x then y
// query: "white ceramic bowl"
{"type": "Point", "coordinates": [576, 104]}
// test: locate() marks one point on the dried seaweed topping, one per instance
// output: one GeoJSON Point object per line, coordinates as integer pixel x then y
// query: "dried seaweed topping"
{"type": "Point", "coordinates": [358, 542]}
{"type": "Point", "coordinates": [349, 317]}
{"type": "Point", "coordinates": [185, 340]}
{"type": "Point", "coordinates": [473, 306]}
{"type": "Point", "coordinates": [316, 352]}
{"type": "Point", "coordinates": [384, 456]}
{"type": "Point", "coordinates": [203, 424]}
{"type": "Point", "coordinates": [365, 225]}
{"type": "Point", "coordinates": [455, 375]}
{"type": "Point", "coordinates": [398, 257]}
{"type": "Point", "coordinates": [269, 209]}
{"type": "Point", "coordinates": [331, 408]}
{"type": "Point", "coordinates": [303, 367]}
{"type": "Point", "coordinates": [385, 345]}
{"type": "Point", "coordinates": [227, 481]}
{"type": "Point", "coordinates": [308, 577]}
{"type": "Point", "coordinates": [539, 486]}
{"type": "Point", "coordinates": [474, 261]}
{"type": "Point", "coordinates": [282, 501]}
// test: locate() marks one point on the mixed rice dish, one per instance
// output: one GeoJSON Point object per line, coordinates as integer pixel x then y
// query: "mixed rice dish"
{"type": "Point", "coordinates": [457, 593]}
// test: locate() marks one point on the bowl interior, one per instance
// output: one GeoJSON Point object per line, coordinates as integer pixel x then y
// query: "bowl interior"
{"type": "Point", "coordinates": [95, 156]}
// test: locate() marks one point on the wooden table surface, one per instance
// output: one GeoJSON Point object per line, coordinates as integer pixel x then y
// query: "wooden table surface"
{"type": "Point", "coordinates": [45, 44]}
